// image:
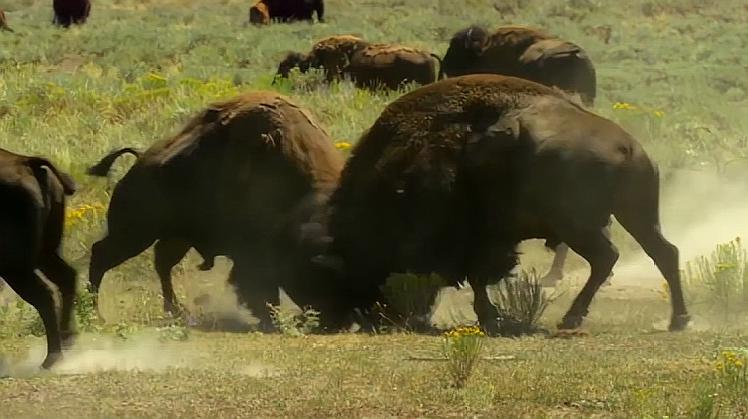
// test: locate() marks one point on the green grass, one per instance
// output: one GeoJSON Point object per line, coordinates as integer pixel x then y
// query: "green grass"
{"type": "Point", "coordinates": [139, 69]}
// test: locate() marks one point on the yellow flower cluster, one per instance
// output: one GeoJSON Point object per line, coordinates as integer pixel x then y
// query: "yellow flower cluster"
{"type": "Point", "coordinates": [343, 145]}
{"type": "Point", "coordinates": [462, 331]}
{"type": "Point", "coordinates": [623, 106]}
{"type": "Point", "coordinates": [81, 212]}
{"type": "Point", "coordinates": [732, 360]}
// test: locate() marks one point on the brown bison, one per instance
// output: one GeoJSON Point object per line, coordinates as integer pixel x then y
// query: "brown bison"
{"type": "Point", "coordinates": [68, 12]}
{"type": "Point", "coordinates": [453, 175]}
{"type": "Point", "coordinates": [259, 13]}
{"type": "Point", "coordinates": [32, 215]}
{"type": "Point", "coordinates": [245, 178]}
{"type": "Point", "coordinates": [4, 22]}
{"type": "Point", "coordinates": [265, 11]}
{"type": "Point", "coordinates": [368, 65]}
{"type": "Point", "coordinates": [522, 52]}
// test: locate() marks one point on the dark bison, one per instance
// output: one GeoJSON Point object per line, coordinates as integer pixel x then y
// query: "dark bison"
{"type": "Point", "coordinates": [32, 215]}
{"type": "Point", "coordinates": [368, 65]}
{"type": "Point", "coordinates": [265, 11]}
{"type": "Point", "coordinates": [4, 22]}
{"type": "Point", "coordinates": [68, 12]}
{"type": "Point", "coordinates": [452, 176]}
{"type": "Point", "coordinates": [522, 52]}
{"type": "Point", "coordinates": [246, 178]}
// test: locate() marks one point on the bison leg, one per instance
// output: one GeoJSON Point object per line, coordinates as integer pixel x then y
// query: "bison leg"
{"type": "Point", "coordinates": [665, 256]}
{"type": "Point", "coordinates": [556, 273]}
{"type": "Point", "coordinates": [601, 254]}
{"type": "Point", "coordinates": [110, 252]}
{"type": "Point", "coordinates": [491, 263]}
{"type": "Point", "coordinates": [31, 288]}
{"type": "Point", "coordinates": [256, 287]}
{"type": "Point", "coordinates": [167, 253]}
{"type": "Point", "coordinates": [64, 276]}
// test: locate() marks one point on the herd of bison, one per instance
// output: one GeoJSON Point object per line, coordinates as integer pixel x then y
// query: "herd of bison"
{"type": "Point", "coordinates": [494, 147]}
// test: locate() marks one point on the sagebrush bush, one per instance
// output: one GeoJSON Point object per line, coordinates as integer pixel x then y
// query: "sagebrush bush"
{"type": "Point", "coordinates": [521, 301]}
{"type": "Point", "coordinates": [720, 279]}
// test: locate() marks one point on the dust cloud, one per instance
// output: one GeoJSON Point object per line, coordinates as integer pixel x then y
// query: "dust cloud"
{"type": "Point", "coordinates": [105, 353]}
{"type": "Point", "coordinates": [699, 211]}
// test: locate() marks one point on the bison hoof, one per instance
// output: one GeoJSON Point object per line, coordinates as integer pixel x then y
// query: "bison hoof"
{"type": "Point", "coordinates": [571, 322]}
{"type": "Point", "coordinates": [679, 322]}
{"type": "Point", "coordinates": [51, 359]}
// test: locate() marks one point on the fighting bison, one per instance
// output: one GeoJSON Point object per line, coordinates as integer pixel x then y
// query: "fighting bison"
{"type": "Point", "coordinates": [245, 178]}
{"type": "Point", "coordinates": [368, 65]}
{"type": "Point", "coordinates": [32, 215]}
{"type": "Point", "coordinates": [68, 12]}
{"type": "Point", "coordinates": [522, 52]}
{"type": "Point", "coordinates": [453, 175]}
{"type": "Point", "coordinates": [4, 22]}
{"type": "Point", "coordinates": [265, 11]}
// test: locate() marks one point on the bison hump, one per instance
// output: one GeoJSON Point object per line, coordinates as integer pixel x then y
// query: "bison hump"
{"type": "Point", "coordinates": [550, 49]}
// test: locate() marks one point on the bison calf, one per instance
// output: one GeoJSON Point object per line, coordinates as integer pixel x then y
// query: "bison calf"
{"type": "Point", "coordinates": [246, 178]}
{"type": "Point", "coordinates": [453, 175]}
{"type": "Point", "coordinates": [32, 215]}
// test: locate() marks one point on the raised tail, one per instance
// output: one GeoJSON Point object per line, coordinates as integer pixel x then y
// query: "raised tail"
{"type": "Point", "coordinates": [102, 167]}
{"type": "Point", "coordinates": [36, 163]}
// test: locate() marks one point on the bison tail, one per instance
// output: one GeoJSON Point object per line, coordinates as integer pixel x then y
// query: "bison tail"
{"type": "Point", "coordinates": [441, 74]}
{"type": "Point", "coordinates": [36, 163]}
{"type": "Point", "coordinates": [102, 167]}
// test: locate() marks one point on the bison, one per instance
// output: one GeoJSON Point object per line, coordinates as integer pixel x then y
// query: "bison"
{"type": "Point", "coordinates": [259, 13]}
{"type": "Point", "coordinates": [265, 11]}
{"type": "Point", "coordinates": [4, 22]}
{"type": "Point", "coordinates": [368, 65]}
{"type": "Point", "coordinates": [453, 175]}
{"type": "Point", "coordinates": [68, 12]}
{"type": "Point", "coordinates": [246, 178]}
{"type": "Point", "coordinates": [522, 52]}
{"type": "Point", "coordinates": [32, 215]}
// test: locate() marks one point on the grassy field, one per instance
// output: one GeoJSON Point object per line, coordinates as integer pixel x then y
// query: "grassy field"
{"type": "Point", "coordinates": [673, 73]}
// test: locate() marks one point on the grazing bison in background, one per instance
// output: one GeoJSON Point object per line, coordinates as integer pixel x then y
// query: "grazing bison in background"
{"type": "Point", "coordinates": [522, 52]}
{"type": "Point", "coordinates": [4, 22]}
{"type": "Point", "coordinates": [332, 54]}
{"type": "Point", "coordinates": [32, 215]}
{"type": "Point", "coordinates": [259, 13]}
{"type": "Point", "coordinates": [246, 178]}
{"type": "Point", "coordinates": [453, 175]}
{"type": "Point", "coordinates": [265, 11]}
{"type": "Point", "coordinates": [368, 65]}
{"type": "Point", "coordinates": [68, 12]}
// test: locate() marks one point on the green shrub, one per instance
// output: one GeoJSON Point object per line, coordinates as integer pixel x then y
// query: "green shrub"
{"type": "Point", "coordinates": [462, 347]}
{"type": "Point", "coordinates": [521, 301]}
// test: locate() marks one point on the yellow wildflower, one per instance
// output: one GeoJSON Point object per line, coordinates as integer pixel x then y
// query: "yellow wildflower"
{"type": "Point", "coordinates": [343, 145]}
{"type": "Point", "coordinates": [624, 106]}
{"type": "Point", "coordinates": [659, 113]}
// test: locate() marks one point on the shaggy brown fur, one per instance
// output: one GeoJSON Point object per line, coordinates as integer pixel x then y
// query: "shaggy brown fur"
{"type": "Point", "coordinates": [522, 52]}
{"type": "Point", "coordinates": [32, 215]}
{"type": "Point", "coordinates": [246, 179]}
{"type": "Point", "coordinates": [68, 12]}
{"type": "Point", "coordinates": [4, 22]}
{"type": "Point", "coordinates": [452, 176]}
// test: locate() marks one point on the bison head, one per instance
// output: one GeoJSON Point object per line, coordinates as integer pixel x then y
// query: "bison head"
{"type": "Point", "coordinates": [465, 47]}
{"type": "Point", "coordinates": [292, 60]}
